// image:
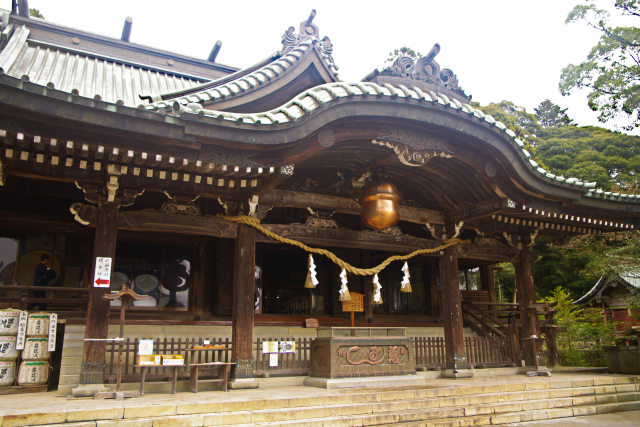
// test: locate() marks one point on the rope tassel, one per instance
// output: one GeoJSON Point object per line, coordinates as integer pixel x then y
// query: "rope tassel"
{"type": "Point", "coordinates": [312, 280]}
{"type": "Point", "coordinates": [344, 291]}
{"type": "Point", "coordinates": [377, 288]}
{"type": "Point", "coordinates": [405, 285]}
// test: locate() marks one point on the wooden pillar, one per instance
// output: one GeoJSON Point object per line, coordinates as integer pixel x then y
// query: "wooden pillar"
{"type": "Point", "coordinates": [526, 298]}
{"type": "Point", "coordinates": [456, 357]}
{"type": "Point", "coordinates": [97, 327]}
{"type": "Point", "coordinates": [243, 307]}
{"type": "Point", "coordinates": [488, 280]}
{"type": "Point", "coordinates": [434, 288]}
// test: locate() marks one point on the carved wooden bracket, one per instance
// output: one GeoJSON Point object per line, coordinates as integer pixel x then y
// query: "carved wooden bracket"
{"type": "Point", "coordinates": [180, 204]}
{"type": "Point", "coordinates": [444, 232]}
{"type": "Point", "coordinates": [110, 193]}
{"type": "Point", "coordinates": [84, 214]}
{"type": "Point", "coordinates": [519, 241]}
{"type": "Point", "coordinates": [320, 219]}
{"type": "Point", "coordinates": [413, 149]}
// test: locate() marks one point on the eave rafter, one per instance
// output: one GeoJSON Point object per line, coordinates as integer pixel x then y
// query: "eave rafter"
{"type": "Point", "coordinates": [34, 155]}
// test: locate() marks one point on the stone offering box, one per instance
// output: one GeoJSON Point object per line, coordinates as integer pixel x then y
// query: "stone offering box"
{"type": "Point", "coordinates": [343, 352]}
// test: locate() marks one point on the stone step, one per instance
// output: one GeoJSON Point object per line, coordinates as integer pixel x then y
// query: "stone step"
{"type": "Point", "coordinates": [461, 405]}
{"type": "Point", "coordinates": [447, 417]}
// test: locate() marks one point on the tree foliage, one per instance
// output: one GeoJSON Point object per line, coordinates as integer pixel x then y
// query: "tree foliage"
{"type": "Point", "coordinates": [584, 329]}
{"type": "Point", "coordinates": [551, 115]}
{"type": "Point", "coordinates": [611, 71]}
{"type": "Point", "coordinates": [403, 51]}
{"type": "Point", "coordinates": [35, 13]}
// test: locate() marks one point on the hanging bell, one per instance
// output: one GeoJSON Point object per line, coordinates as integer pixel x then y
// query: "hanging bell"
{"type": "Point", "coordinates": [380, 205]}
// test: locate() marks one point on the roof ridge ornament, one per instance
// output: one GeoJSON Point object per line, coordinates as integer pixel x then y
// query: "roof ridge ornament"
{"type": "Point", "coordinates": [307, 31]}
{"type": "Point", "coordinates": [425, 69]}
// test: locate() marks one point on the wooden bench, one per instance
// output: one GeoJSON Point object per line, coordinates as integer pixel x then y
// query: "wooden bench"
{"type": "Point", "coordinates": [222, 374]}
{"type": "Point", "coordinates": [174, 376]}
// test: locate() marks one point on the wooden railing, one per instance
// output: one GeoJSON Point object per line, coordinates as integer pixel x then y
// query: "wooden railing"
{"type": "Point", "coordinates": [58, 299]}
{"type": "Point", "coordinates": [298, 363]}
{"type": "Point", "coordinates": [481, 352]}
{"type": "Point", "coordinates": [163, 346]}
{"type": "Point", "coordinates": [430, 354]}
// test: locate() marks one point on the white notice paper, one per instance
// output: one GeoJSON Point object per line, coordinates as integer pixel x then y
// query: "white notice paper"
{"type": "Point", "coordinates": [102, 275]}
{"type": "Point", "coordinates": [273, 360]}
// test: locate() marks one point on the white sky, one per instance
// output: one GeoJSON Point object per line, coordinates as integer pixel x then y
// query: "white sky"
{"type": "Point", "coordinates": [499, 49]}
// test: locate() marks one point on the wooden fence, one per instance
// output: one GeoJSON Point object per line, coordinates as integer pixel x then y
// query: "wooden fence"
{"type": "Point", "coordinates": [163, 346]}
{"type": "Point", "coordinates": [298, 363]}
{"type": "Point", "coordinates": [430, 354]}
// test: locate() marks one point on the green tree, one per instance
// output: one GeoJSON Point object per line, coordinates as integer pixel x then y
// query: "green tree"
{"type": "Point", "coordinates": [585, 333]}
{"type": "Point", "coordinates": [403, 51]}
{"type": "Point", "coordinates": [35, 13]}
{"type": "Point", "coordinates": [611, 159]}
{"type": "Point", "coordinates": [612, 69]}
{"type": "Point", "coordinates": [551, 115]}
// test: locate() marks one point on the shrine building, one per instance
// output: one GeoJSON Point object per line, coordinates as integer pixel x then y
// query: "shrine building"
{"type": "Point", "coordinates": [249, 204]}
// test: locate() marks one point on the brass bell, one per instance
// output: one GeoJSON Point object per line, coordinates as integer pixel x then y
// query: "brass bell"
{"type": "Point", "coordinates": [380, 204]}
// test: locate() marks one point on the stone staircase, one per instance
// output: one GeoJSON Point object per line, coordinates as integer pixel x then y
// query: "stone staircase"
{"type": "Point", "coordinates": [484, 403]}
{"type": "Point", "coordinates": [71, 358]}
{"type": "Point", "coordinates": [456, 406]}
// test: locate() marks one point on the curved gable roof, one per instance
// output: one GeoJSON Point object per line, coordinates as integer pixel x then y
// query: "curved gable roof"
{"type": "Point", "coordinates": [303, 62]}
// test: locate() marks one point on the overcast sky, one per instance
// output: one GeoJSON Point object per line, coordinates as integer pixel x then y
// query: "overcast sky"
{"type": "Point", "coordinates": [499, 49]}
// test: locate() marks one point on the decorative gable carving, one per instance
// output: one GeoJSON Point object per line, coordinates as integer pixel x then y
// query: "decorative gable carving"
{"type": "Point", "coordinates": [308, 30]}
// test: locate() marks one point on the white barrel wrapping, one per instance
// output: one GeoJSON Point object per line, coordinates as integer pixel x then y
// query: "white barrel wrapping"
{"type": "Point", "coordinates": [38, 325]}
{"type": "Point", "coordinates": [33, 372]}
{"type": "Point", "coordinates": [8, 352]}
{"type": "Point", "coordinates": [35, 349]}
{"type": "Point", "coordinates": [7, 373]}
{"type": "Point", "coordinates": [9, 321]}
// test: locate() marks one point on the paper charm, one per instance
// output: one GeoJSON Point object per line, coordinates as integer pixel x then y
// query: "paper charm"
{"type": "Point", "coordinates": [312, 280]}
{"type": "Point", "coordinates": [405, 285]}
{"type": "Point", "coordinates": [344, 291]}
{"type": "Point", "coordinates": [377, 297]}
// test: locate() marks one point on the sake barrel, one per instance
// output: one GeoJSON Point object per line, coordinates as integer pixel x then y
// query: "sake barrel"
{"type": "Point", "coordinates": [8, 350]}
{"type": "Point", "coordinates": [33, 372]}
{"type": "Point", "coordinates": [38, 325]}
{"type": "Point", "coordinates": [35, 349]}
{"type": "Point", "coordinates": [9, 321]}
{"type": "Point", "coordinates": [7, 373]}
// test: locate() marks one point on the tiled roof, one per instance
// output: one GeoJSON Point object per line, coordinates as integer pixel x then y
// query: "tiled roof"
{"type": "Point", "coordinates": [89, 75]}
{"type": "Point", "coordinates": [629, 279]}
{"type": "Point", "coordinates": [243, 82]}
{"type": "Point", "coordinates": [309, 101]}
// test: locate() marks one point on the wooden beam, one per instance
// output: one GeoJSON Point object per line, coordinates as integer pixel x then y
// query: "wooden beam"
{"type": "Point", "coordinates": [299, 199]}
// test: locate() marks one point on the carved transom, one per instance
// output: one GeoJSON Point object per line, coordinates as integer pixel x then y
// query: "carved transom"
{"type": "Point", "coordinates": [413, 149]}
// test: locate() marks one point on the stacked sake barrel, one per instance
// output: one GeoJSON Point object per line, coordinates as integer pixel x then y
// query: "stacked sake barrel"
{"type": "Point", "coordinates": [34, 368]}
{"type": "Point", "coordinates": [8, 353]}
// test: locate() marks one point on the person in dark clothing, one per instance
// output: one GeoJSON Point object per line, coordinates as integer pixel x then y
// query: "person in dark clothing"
{"type": "Point", "coordinates": [41, 277]}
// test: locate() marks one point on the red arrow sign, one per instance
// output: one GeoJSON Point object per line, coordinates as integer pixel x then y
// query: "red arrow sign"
{"type": "Point", "coordinates": [101, 282]}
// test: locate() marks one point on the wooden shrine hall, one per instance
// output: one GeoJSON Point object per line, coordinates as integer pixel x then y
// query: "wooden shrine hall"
{"type": "Point", "coordinates": [210, 187]}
